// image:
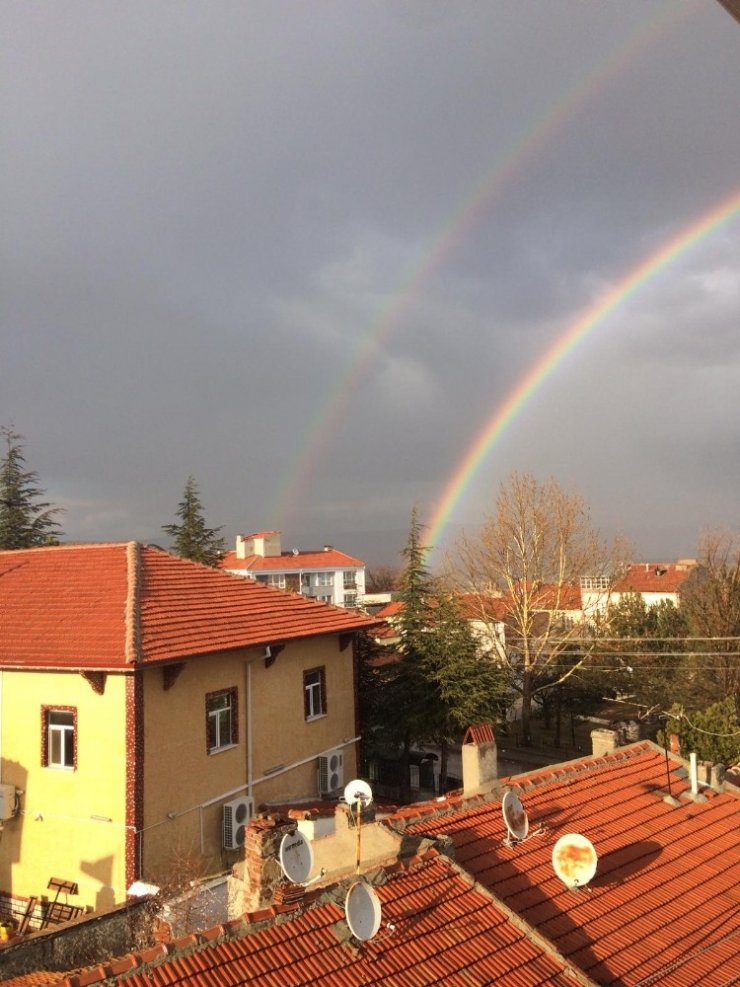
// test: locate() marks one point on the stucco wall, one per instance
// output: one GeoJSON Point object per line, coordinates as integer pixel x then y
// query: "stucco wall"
{"type": "Point", "coordinates": [56, 834]}
{"type": "Point", "coordinates": [180, 774]}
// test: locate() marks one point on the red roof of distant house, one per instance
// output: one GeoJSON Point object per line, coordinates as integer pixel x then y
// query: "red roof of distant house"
{"type": "Point", "coordinates": [291, 562]}
{"type": "Point", "coordinates": [475, 607]}
{"type": "Point", "coordinates": [655, 577]}
{"type": "Point", "coordinates": [557, 597]}
{"type": "Point", "coordinates": [436, 927]}
{"type": "Point", "coordinates": [663, 906]}
{"type": "Point", "coordinates": [111, 606]}
{"type": "Point", "coordinates": [391, 609]}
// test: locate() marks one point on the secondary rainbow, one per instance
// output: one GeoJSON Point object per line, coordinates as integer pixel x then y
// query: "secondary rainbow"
{"type": "Point", "coordinates": [317, 432]}
{"type": "Point", "coordinates": [506, 412]}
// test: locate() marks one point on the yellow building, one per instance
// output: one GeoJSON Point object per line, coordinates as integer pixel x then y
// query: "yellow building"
{"type": "Point", "coordinates": [148, 704]}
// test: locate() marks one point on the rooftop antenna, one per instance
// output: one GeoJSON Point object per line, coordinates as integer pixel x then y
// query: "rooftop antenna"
{"type": "Point", "coordinates": [362, 911]}
{"type": "Point", "coordinates": [574, 860]}
{"type": "Point", "coordinates": [358, 793]}
{"type": "Point", "coordinates": [515, 819]}
{"type": "Point", "coordinates": [296, 859]}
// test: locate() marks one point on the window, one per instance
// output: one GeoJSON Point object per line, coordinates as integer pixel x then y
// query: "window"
{"type": "Point", "coordinates": [349, 579]}
{"type": "Point", "coordinates": [350, 599]}
{"type": "Point", "coordinates": [595, 582]}
{"type": "Point", "coordinates": [326, 579]}
{"type": "Point", "coordinates": [314, 693]}
{"type": "Point", "coordinates": [277, 580]}
{"type": "Point", "coordinates": [221, 719]}
{"type": "Point", "coordinates": [59, 737]}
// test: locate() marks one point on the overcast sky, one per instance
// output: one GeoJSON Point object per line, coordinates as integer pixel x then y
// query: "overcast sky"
{"type": "Point", "coordinates": [303, 250]}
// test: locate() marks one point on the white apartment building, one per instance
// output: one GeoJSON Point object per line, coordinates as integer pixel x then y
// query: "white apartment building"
{"type": "Point", "coordinates": [326, 574]}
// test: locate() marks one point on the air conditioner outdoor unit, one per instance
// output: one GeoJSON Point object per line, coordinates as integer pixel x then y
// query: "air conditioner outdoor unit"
{"type": "Point", "coordinates": [7, 802]}
{"type": "Point", "coordinates": [331, 772]}
{"type": "Point", "coordinates": [236, 816]}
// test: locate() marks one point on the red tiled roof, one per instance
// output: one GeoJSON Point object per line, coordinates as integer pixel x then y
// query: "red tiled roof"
{"type": "Point", "coordinates": [475, 607]}
{"type": "Point", "coordinates": [655, 577]}
{"type": "Point", "coordinates": [391, 609]}
{"type": "Point", "coordinates": [110, 606]}
{"type": "Point", "coordinates": [554, 596]}
{"type": "Point", "coordinates": [290, 562]}
{"type": "Point", "coordinates": [664, 906]}
{"type": "Point", "coordinates": [479, 733]}
{"type": "Point", "coordinates": [436, 928]}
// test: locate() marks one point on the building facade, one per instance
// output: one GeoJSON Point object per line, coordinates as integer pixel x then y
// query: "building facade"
{"type": "Point", "coordinates": [148, 704]}
{"type": "Point", "coordinates": [326, 575]}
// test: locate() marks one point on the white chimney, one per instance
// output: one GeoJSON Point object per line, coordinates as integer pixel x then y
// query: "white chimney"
{"type": "Point", "coordinates": [479, 757]}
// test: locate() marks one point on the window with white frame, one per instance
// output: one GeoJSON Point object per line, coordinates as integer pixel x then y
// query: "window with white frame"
{"type": "Point", "coordinates": [350, 599]}
{"type": "Point", "coordinates": [276, 579]}
{"type": "Point", "coordinates": [349, 579]}
{"type": "Point", "coordinates": [59, 745]}
{"type": "Point", "coordinates": [221, 719]}
{"type": "Point", "coordinates": [326, 579]}
{"type": "Point", "coordinates": [314, 693]}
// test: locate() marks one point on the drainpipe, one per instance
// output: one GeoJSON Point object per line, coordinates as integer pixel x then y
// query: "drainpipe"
{"type": "Point", "coordinates": [250, 767]}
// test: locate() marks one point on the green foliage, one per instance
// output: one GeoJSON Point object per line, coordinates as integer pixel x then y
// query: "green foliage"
{"type": "Point", "coordinates": [713, 733]}
{"type": "Point", "coordinates": [446, 685]}
{"type": "Point", "coordinates": [26, 521]}
{"type": "Point", "coordinates": [191, 538]}
{"type": "Point", "coordinates": [651, 664]}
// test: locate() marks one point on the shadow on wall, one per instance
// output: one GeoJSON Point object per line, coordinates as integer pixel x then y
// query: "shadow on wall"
{"type": "Point", "coordinates": [14, 774]}
{"type": "Point", "coordinates": [102, 871]}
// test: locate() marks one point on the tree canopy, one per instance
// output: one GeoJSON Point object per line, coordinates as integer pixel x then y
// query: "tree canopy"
{"type": "Point", "coordinates": [191, 538]}
{"type": "Point", "coordinates": [711, 605]}
{"type": "Point", "coordinates": [438, 683]}
{"type": "Point", "coordinates": [26, 520]}
{"type": "Point", "coordinates": [713, 733]}
{"type": "Point", "coordinates": [529, 556]}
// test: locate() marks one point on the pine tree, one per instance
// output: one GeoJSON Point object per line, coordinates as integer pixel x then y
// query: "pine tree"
{"type": "Point", "coordinates": [25, 520]}
{"type": "Point", "coordinates": [191, 538]}
{"type": "Point", "coordinates": [443, 684]}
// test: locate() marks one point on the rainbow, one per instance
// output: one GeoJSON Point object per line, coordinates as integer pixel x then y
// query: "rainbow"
{"type": "Point", "coordinates": [505, 413]}
{"type": "Point", "coordinates": [313, 441]}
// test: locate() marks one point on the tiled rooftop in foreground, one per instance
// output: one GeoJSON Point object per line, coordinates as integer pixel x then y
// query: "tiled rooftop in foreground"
{"type": "Point", "coordinates": [664, 906]}
{"type": "Point", "coordinates": [437, 928]}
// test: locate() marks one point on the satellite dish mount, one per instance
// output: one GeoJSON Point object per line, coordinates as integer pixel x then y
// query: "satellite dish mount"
{"type": "Point", "coordinates": [516, 821]}
{"type": "Point", "coordinates": [358, 793]}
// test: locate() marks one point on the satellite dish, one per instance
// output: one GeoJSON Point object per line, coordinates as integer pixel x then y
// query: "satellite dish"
{"type": "Point", "coordinates": [514, 816]}
{"type": "Point", "coordinates": [296, 857]}
{"type": "Point", "coordinates": [362, 911]}
{"type": "Point", "coordinates": [358, 791]}
{"type": "Point", "coordinates": [574, 860]}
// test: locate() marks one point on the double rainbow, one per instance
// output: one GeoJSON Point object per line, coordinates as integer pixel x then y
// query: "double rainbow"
{"type": "Point", "coordinates": [506, 412]}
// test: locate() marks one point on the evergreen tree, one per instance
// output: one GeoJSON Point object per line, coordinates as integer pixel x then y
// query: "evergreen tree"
{"type": "Point", "coordinates": [651, 663]}
{"type": "Point", "coordinates": [191, 538]}
{"type": "Point", "coordinates": [441, 683]}
{"type": "Point", "coordinates": [713, 734]}
{"type": "Point", "coordinates": [25, 520]}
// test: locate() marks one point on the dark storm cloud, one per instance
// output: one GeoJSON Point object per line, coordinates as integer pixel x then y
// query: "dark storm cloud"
{"type": "Point", "coordinates": [209, 209]}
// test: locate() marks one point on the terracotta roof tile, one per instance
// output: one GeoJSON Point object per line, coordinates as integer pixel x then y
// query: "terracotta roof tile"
{"type": "Point", "coordinates": [436, 927]}
{"type": "Point", "coordinates": [106, 606]}
{"type": "Point", "coordinates": [665, 895]}
{"type": "Point", "coordinates": [290, 562]}
{"type": "Point", "coordinates": [655, 577]}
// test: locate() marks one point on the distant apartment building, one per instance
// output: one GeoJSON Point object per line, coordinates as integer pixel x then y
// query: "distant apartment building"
{"type": "Point", "coordinates": [655, 582]}
{"type": "Point", "coordinates": [325, 575]}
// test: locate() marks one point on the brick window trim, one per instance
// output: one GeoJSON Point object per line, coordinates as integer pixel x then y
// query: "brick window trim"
{"type": "Point", "coordinates": [45, 710]}
{"type": "Point", "coordinates": [233, 693]}
{"type": "Point", "coordinates": [321, 671]}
